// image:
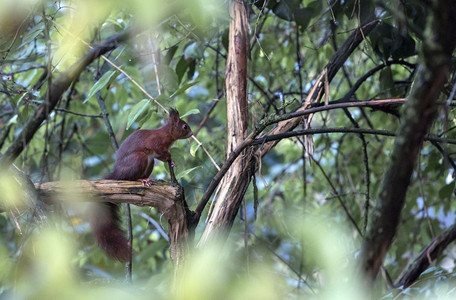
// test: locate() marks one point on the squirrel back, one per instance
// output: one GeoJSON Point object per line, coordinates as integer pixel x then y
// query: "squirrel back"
{"type": "Point", "coordinates": [135, 161]}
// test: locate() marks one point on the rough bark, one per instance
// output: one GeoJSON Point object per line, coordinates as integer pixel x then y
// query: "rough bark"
{"type": "Point", "coordinates": [237, 179]}
{"type": "Point", "coordinates": [419, 113]}
{"type": "Point", "coordinates": [167, 199]}
{"type": "Point", "coordinates": [235, 184]}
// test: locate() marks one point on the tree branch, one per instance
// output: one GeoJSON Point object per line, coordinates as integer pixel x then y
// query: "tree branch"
{"type": "Point", "coordinates": [331, 106]}
{"type": "Point", "coordinates": [167, 199]}
{"type": "Point", "coordinates": [280, 136]}
{"type": "Point", "coordinates": [429, 254]}
{"type": "Point", "coordinates": [251, 139]}
{"type": "Point", "coordinates": [333, 66]}
{"type": "Point", "coordinates": [55, 91]}
{"type": "Point", "coordinates": [158, 195]}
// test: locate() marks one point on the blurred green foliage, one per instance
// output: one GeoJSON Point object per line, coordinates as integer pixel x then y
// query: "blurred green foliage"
{"type": "Point", "coordinates": [301, 245]}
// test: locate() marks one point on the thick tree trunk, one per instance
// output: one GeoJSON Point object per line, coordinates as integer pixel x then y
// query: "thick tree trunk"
{"type": "Point", "coordinates": [237, 179]}
{"type": "Point", "coordinates": [419, 113]}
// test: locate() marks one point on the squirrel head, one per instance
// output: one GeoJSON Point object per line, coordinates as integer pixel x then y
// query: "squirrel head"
{"type": "Point", "coordinates": [179, 128]}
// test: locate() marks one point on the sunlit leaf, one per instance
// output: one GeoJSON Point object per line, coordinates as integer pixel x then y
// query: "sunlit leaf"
{"type": "Point", "coordinates": [183, 88]}
{"type": "Point", "coordinates": [168, 78]}
{"type": "Point", "coordinates": [194, 111]}
{"type": "Point", "coordinates": [186, 172]}
{"type": "Point", "coordinates": [101, 83]}
{"type": "Point", "coordinates": [137, 110]}
{"type": "Point", "coordinates": [194, 148]}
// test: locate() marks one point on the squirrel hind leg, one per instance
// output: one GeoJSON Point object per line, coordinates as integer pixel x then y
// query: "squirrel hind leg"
{"type": "Point", "coordinates": [133, 166]}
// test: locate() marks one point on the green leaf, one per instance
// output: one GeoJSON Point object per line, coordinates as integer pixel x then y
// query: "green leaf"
{"type": "Point", "coordinates": [182, 66]}
{"type": "Point", "coordinates": [101, 83]}
{"type": "Point", "coordinates": [405, 49]}
{"type": "Point", "coordinates": [283, 10]}
{"type": "Point", "coordinates": [193, 50]}
{"type": "Point", "coordinates": [164, 100]}
{"type": "Point", "coordinates": [19, 101]}
{"type": "Point", "coordinates": [136, 111]}
{"type": "Point", "coordinates": [183, 88]}
{"type": "Point", "coordinates": [168, 78]}
{"type": "Point", "coordinates": [225, 39]}
{"type": "Point", "coordinates": [303, 16]}
{"type": "Point", "coordinates": [191, 69]}
{"type": "Point", "coordinates": [30, 37]}
{"type": "Point", "coordinates": [389, 41]}
{"type": "Point", "coordinates": [170, 54]}
{"type": "Point", "coordinates": [144, 117]}
{"type": "Point", "coordinates": [194, 111]}
{"type": "Point", "coordinates": [186, 172]}
{"type": "Point", "coordinates": [193, 148]}
{"type": "Point", "coordinates": [446, 191]}
{"type": "Point", "coordinates": [119, 23]}
{"type": "Point", "coordinates": [431, 270]}
{"type": "Point", "coordinates": [24, 113]}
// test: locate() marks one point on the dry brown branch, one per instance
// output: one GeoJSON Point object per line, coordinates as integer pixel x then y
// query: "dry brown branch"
{"type": "Point", "coordinates": [244, 172]}
{"type": "Point", "coordinates": [237, 179]}
{"type": "Point", "coordinates": [167, 199]}
{"type": "Point", "coordinates": [328, 74]}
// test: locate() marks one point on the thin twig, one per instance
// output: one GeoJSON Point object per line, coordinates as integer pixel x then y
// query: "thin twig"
{"type": "Point", "coordinates": [336, 193]}
{"type": "Point", "coordinates": [139, 87]}
{"type": "Point", "coordinates": [59, 86]}
{"type": "Point", "coordinates": [250, 139]}
{"type": "Point", "coordinates": [78, 114]}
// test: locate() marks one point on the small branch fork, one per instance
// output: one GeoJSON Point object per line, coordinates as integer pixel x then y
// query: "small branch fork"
{"type": "Point", "coordinates": [252, 140]}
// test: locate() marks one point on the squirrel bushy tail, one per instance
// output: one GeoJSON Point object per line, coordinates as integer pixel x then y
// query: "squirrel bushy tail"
{"type": "Point", "coordinates": [108, 234]}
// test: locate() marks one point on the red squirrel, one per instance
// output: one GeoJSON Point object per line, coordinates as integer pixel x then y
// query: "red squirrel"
{"type": "Point", "coordinates": [135, 161]}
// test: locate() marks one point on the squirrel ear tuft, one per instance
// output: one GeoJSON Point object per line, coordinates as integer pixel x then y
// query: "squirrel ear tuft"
{"type": "Point", "coordinates": [173, 113]}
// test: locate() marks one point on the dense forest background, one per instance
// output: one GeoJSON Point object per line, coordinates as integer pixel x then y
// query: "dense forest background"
{"type": "Point", "coordinates": [336, 133]}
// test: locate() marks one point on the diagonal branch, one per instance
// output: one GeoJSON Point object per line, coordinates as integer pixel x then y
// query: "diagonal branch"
{"type": "Point", "coordinates": [328, 73]}
{"type": "Point", "coordinates": [250, 140]}
{"type": "Point", "coordinates": [55, 92]}
{"type": "Point", "coordinates": [311, 131]}
{"type": "Point", "coordinates": [426, 257]}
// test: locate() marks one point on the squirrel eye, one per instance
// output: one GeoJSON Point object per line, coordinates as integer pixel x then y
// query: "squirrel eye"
{"type": "Point", "coordinates": [185, 126]}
